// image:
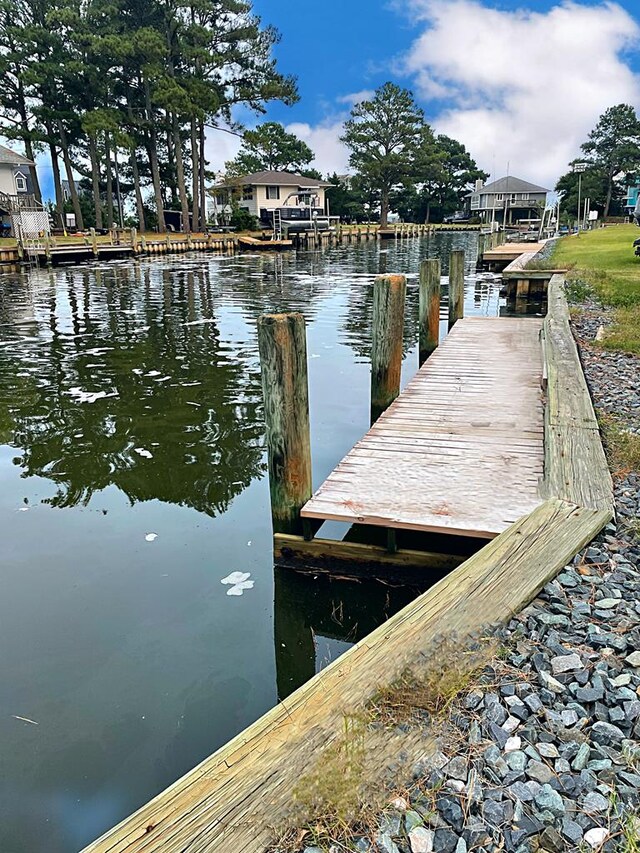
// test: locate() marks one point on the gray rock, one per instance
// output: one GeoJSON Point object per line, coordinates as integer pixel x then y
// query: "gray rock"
{"type": "Point", "coordinates": [551, 840]}
{"type": "Point", "coordinates": [550, 800]}
{"type": "Point", "coordinates": [550, 683]}
{"type": "Point", "coordinates": [421, 840]}
{"type": "Point", "coordinates": [633, 659]}
{"type": "Point", "coordinates": [572, 831]}
{"type": "Point", "coordinates": [390, 824]}
{"type": "Point", "coordinates": [533, 703]}
{"type": "Point", "coordinates": [516, 761]}
{"type": "Point", "coordinates": [385, 843]}
{"type": "Point", "coordinates": [569, 718]}
{"type": "Point", "coordinates": [539, 772]}
{"type": "Point", "coordinates": [521, 791]}
{"type": "Point", "coordinates": [411, 820]}
{"type": "Point", "coordinates": [582, 757]}
{"type": "Point", "coordinates": [473, 699]}
{"type": "Point", "coordinates": [595, 803]}
{"type": "Point", "coordinates": [589, 694]}
{"type": "Point", "coordinates": [565, 663]}
{"type": "Point", "coordinates": [450, 810]}
{"type": "Point", "coordinates": [445, 841]}
{"type": "Point", "coordinates": [607, 734]}
{"type": "Point", "coordinates": [547, 750]}
{"type": "Point", "coordinates": [497, 814]}
{"type": "Point", "coordinates": [457, 769]}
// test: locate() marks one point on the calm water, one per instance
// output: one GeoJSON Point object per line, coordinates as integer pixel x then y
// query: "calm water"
{"type": "Point", "coordinates": [130, 405]}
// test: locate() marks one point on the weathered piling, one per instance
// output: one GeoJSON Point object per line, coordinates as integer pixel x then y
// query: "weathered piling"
{"type": "Point", "coordinates": [283, 358]}
{"type": "Point", "coordinates": [456, 286]}
{"type": "Point", "coordinates": [386, 353]}
{"type": "Point", "coordinates": [429, 308]}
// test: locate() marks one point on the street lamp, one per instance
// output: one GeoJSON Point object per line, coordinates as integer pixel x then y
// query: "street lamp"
{"type": "Point", "coordinates": [579, 168]}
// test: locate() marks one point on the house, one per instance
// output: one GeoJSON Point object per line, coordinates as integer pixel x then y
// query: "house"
{"type": "Point", "coordinates": [507, 201]}
{"type": "Point", "coordinates": [262, 193]}
{"type": "Point", "coordinates": [17, 193]}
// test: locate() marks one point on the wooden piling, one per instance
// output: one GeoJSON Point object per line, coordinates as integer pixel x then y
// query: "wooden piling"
{"type": "Point", "coordinates": [283, 359]}
{"type": "Point", "coordinates": [456, 286]}
{"type": "Point", "coordinates": [386, 352]}
{"type": "Point", "coordinates": [429, 308]}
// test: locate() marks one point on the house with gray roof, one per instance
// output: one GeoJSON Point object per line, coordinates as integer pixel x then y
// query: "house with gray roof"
{"type": "Point", "coordinates": [508, 201]}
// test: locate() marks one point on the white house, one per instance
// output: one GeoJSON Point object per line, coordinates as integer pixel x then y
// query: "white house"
{"type": "Point", "coordinates": [262, 193]}
{"type": "Point", "coordinates": [508, 200]}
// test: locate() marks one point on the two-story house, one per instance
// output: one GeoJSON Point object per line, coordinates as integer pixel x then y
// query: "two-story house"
{"type": "Point", "coordinates": [262, 193]}
{"type": "Point", "coordinates": [507, 201]}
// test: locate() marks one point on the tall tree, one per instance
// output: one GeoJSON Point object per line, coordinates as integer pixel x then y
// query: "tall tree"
{"type": "Point", "coordinates": [270, 148]}
{"type": "Point", "coordinates": [383, 136]}
{"type": "Point", "coordinates": [613, 147]}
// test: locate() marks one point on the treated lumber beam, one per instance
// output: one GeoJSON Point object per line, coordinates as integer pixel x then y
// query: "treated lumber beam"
{"type": "Point", "coordinates": [576, 467]}
{"type": "Point", "coordinates": [228, 802]}
{"type": "Point", "coordinates": [289, 547]}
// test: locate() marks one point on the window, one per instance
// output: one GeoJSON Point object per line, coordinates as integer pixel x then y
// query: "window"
{"type": "Point", "coordinates": [525, 196]}
{"type": "Point", "coordinates": [273, 192]}
{"type": "Point", "coordinates": [499, 197]}
{"type": "Point", "coordinates": [247, 193]}
{"type": "Point", "coordinates": [475, 202]}
{"type": "Point", "coordinates": [221, 199]}
{"type": "Point", "coordinates": [21, 183]}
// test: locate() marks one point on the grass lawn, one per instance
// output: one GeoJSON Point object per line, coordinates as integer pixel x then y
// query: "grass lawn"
{"type": "Point", "coordinates": [603, 260]}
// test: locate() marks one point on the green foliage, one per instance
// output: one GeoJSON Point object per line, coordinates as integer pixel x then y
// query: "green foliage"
{"type": "Point", "coordinates": [612, 152]}
{"type": "Point", "coordinates": [269, 148]}
{"type": "Point", "coordinates": [242, 220]}
{"type": "Point", "coordinates": [133, 79]}
{"type": "Point", "coordinates": [384, 136]}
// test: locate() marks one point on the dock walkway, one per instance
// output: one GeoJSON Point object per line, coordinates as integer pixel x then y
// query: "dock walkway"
{"type": "Point", "coordinates": [461, 450]}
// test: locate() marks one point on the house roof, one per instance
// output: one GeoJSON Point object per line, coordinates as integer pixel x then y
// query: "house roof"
{"type": "Point", "coordinates": [13, 158]}
{"type": "Point", "coordinates": [281, 179]}
{"type": "Point", "coordinates": [510, 184]}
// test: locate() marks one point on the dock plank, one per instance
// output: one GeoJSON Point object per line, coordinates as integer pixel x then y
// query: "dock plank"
{"type": "Point", "coordinates": [461, 450]}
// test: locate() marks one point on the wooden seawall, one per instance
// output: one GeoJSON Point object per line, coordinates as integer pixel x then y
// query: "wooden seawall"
{"type": "Point", "coordinates": [227, 803]}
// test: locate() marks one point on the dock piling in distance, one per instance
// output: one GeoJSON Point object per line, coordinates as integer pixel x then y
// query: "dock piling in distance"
{"type": "Point", "coordinates": [283, 359]}
{"type": "Point", "coordinates": [386, 351]}
{"type": "Point", "coordinates": [429, 308]}
{"type": "Point", "coordinates": [456, 286]}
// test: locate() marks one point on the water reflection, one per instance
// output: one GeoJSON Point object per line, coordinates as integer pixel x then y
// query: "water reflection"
{"type": "Point", "coordinates": [317, 617]}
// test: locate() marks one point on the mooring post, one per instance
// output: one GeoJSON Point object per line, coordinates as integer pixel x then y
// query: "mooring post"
{"type": "Point", "coordinates": [283, 359]}
{"type": "Point", "coordinates": [456, 286]}
{"type": "Point", "coordinates": [386, 352]}
{"type": "Point", "coordinates": [429, 308]}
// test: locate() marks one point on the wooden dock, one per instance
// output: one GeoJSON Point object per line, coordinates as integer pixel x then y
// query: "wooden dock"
{"type": "Point", "coordinates": [231, 800]}
{"type": "Point", "coordinates": [461, 450]}
{"type": "Point", "coordinates": [501, 256]}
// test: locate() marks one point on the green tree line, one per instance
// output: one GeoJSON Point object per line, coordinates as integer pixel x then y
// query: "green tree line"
{"type": "Point", "coordinates": [122, 91]}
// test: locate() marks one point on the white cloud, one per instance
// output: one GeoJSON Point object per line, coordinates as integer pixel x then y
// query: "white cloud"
{"type": "Point", "coordinates": [324, 141]}
{"type": "Point", "coordinates": [220, 147]}
{"type": "Point", "coordinates": [356, 97]}
{"type": "Point", "coordinates": [523, 87]}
